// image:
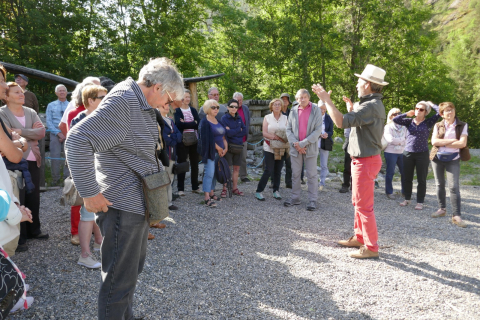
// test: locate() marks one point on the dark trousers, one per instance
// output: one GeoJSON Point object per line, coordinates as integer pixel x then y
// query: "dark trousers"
{"type": "Point", "coordinates": [288, 170]}
{"type": "Point", "coordinates": [182, 153]}
{"type": "Point", "coordinates": [272, 168]}
{"type": "Point", "coordinates": [347, 170]}
{"type": "Point", "coordinates": [32, 202]}
{"type": "Point", "coordinates": [123, 251]}
{"type": "Point", "coordinates": [416, 161]}
{"type": "Point", "coordinates": [452, 170]}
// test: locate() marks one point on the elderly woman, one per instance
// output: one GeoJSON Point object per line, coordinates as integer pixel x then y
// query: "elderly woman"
{"type": "Point", "coordinates": [395, 135]}
{"type": "Point", "coordinates": [92, 95]}
{"type": "Point", "coordinates": [272, 123]}
{"type": "Point", "coordinates": [415, 155]}
{"type": "Point", "coordinates": [187, 120]}
{"type": "Point", "coordinates": [449, 136]}
{"type": "Point", "coordinates": [27, 124]}
{"type": "Point", "coordinates": [212, 141]}
{"type": "Point", "coordinates": [236, 130]}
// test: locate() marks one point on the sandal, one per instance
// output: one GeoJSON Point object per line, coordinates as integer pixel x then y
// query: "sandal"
{"type": "Point", "coordinates": [237, 192]}
{"type": "Point", "coordinates": [224, 193]}
{"type": "Point", "coordinates": [210, 203]}
{"type": "Point", "coordinates": [419, 206]}
{"type": "Point", "coordinates": [214, 197]}
{"type": "Point", "coordinates": [404, 203]}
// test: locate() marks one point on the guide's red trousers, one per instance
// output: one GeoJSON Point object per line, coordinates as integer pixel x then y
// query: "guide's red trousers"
{"type": "Point", "coordinates": [75, 219]}
{"type": "Point", "coordinates": [364, 171]}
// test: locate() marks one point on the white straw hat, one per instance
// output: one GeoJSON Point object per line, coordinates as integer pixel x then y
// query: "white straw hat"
{"type": "Point", "coordinates": [373, 74]}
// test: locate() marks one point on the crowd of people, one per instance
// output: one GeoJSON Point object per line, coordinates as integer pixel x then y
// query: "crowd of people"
{"type": "Point", "coordinates": [116, 137]}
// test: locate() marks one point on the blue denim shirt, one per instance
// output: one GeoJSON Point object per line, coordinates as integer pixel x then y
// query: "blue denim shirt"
{"type": "Point", "coordinates": [55, 112]}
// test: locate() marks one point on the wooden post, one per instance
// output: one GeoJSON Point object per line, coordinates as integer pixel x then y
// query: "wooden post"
{"type": "Point", "coordinates": [192, 86]}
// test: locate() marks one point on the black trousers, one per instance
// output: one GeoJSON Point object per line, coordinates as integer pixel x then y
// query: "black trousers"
{"type": "Point", "coordinates": [419, 162]}
{"type": "Point", "coordinates": [32, 202]}
{"type": "Point", "coordinates": [272, 168]}
{"type": "Point", "coordinates": [347, 170]}
{"type": "Point", "coordinates": [182, 153]}
{"type": "Point", "coordinates": [288, 170]}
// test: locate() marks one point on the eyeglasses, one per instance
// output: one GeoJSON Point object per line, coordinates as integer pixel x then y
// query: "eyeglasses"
{"type": "Point", "coordinates": [215, 107]}
{"type": "Point", "coordinates": [99, 97]}
{"type": "Point", "coordinates": [420, 109]}
{"type": "Point", "coordinates": [171, 100]}
{"type": "Point", "coordinates": [396, 114]}
{"type": "Point", "coordinates": [232, 106]}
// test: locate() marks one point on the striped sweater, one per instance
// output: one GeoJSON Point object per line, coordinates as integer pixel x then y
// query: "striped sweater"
{"type": "Point", "coordinates": [107, 150]}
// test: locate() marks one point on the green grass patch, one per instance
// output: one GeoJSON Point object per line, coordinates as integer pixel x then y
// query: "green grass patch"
{"type": "Point", "coordinates": [474, 181]}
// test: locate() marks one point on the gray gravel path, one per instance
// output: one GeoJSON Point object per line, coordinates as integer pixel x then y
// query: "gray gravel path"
{"type": "Point", "coordinates": [258, 260]}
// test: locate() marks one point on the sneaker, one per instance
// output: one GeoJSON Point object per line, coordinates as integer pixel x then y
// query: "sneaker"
{"type": "Point", "coordinates": [377, 185]}
{"type": "Point", "coordinates": [89, 262]}
{"type": "Point", "coordinates": [320, 188]}
{"type": "Point", "coordinates": [259, 196]}
{"type": "Point", "coordinates": [20, 305]}
{"type": "Point", "coordinates": [405, 203]}
{"type": "Point", "coordinates": [75, 240]}
{"type": "Point", "coordinates": [245, 180]}
{"type": "Point", "coordinates": [181, 193]}
{"type": "Point", "coordinates": [96, 246]}
{"type": "Point", "coordinates": [364, 253]}
{"type": "Point", "coordinates": [290, 203]}
{"type": "Point", "coordinates": [343, 189]}
{"type": "Point", "coordinates": [277, 195]}
{"type": "Point", "coordinates": [312, 205]}
{"type": "Point", "coordinates": [439, 213]}
{"type": "Point", "coordinates": [197, 191]}
{"type": "Point", "coordinates": [21, 248]}
{"type": "Point", "coordinates": [391, 196]}
{"type": "Point", "coordinates": [351, 242]}
{"type": "Point", "coordinates": [173, 207]}
{"type": "Point", "coordinates": [459, 222]}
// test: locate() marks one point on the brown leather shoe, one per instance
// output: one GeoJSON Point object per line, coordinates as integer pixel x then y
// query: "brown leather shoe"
{"type": "Point", "coordinates": [150, 236]}
{"type": "Point", "coordinates": [364, 253]}
{"type": "Point", "coordinates": [158, 225]}
{"type": "Point", "coordinates": [351, 242]}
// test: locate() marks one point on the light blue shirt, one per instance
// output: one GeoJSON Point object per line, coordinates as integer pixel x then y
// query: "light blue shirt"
{"type": "Point", "coordinates": [55, 112]}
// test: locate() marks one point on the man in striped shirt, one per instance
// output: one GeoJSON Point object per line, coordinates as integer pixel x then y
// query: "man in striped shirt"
{"type": "Point", "coordinates": [106, 151]}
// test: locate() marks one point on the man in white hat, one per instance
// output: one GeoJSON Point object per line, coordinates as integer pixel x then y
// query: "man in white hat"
{"type": "Point", "coordinates": [365, 145]}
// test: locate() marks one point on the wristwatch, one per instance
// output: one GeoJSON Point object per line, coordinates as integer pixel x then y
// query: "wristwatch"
{"type": "Point", "coordinates": [21, 143]}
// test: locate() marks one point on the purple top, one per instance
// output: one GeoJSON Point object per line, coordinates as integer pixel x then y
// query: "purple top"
{"type": "Point", "coordinates": [417, 136]}
{"type": "Point", "coordinates": [218, 133]}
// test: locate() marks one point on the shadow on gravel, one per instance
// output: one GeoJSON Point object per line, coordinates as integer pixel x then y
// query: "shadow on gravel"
{"type": "Point", "coordinates": [448, 278]}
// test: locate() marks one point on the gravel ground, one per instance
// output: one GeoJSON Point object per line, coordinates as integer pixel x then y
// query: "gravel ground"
{"type": "Point", "coordinates": [248, 259]}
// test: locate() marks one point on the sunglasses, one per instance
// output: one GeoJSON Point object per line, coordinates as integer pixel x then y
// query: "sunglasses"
{"type": "Point", "coordinates": [99, 97]}
{"type": "Point", "coordinates": [215, 108]}
{"type": "Point", "coordinates": [232, 106]}
{"type": "Point", "coordinates": [396, 114]}
{"type": "Point", "coordinates": [420, 109]}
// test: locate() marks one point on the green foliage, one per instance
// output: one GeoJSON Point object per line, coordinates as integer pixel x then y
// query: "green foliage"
{"type": "Point", "coordinates": [264, 47]}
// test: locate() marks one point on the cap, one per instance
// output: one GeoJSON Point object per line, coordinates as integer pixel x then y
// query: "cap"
{"type": "Point", "coordinates": [24, 77]}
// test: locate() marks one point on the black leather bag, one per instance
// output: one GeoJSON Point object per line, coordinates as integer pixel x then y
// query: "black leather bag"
{"type": "Point", "coordinates": [235, 148]}
{"type": "Point", "coordinates": [189, 138]}
{"type": "Point", "coordinates": [181, 167]}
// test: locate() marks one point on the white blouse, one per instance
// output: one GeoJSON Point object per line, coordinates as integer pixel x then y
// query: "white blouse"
{"type": "Point", "coordinates": [273, 125]}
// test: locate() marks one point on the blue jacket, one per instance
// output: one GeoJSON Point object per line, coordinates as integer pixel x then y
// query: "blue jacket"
{"type": "Point", "coordinates": [186, 125]}
{"type": "Point", "coordinates": [171, 136]}
{"type": "Point", "coordinates": [237, 128]}
{"type": "Point", "coordinates": [329, 130]}
{"type": "Point", "coordinates": [206, 145]}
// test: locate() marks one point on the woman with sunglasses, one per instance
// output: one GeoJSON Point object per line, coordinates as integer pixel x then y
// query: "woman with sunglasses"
{"type": "Point", "coordinates": [91, 96]}
{"type": "Point", "coordinates": [212, 141]}
{"type": "Point", "coordinates": [416, 153]}
{"type": "Point", "coordinates": [396, 136]}
{"type": "Point", "coordinates": [236, 130]}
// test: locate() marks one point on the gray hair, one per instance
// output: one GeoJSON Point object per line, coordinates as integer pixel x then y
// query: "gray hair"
{"type": "Point", "coordinates": [301, 92]}
{"type": "Point", "coordinates": [77, 93]}
{"type": "Point", "coordinates": [237, 94]}
{"type": "Point", "coordinates": [60, 86]}
{"type": "Point", "coordinates": [376, 87]}
{"type": "Point", "coordinates": [393, 110]}
{"type": "Point", "coordinates": [211, 89]}
{"type": "Point", "coordinates": [162, 71]}
{"type": "Point", "coordinates": [91, 79]}
{"type": "Point", "coordinates": [187, 91]}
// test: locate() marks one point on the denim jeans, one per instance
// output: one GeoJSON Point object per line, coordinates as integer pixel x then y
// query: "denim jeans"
{"type": "Point", "coordinates": [452, 168]}
{"type": "Point", "coordinates": [209, 176]}
{"type": "Point", "coordinates": [392, 160]}
{"type": "Point", "coordinates": [56, 148]}
{"type": "Point", "coordinates": [273, 169]}
{"type": "Point", "coordinates": [123, 251]}
{"type": "Point", "coordinates": [419, 162]}
{"type": "Point", "coordinates": [323, 165]}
